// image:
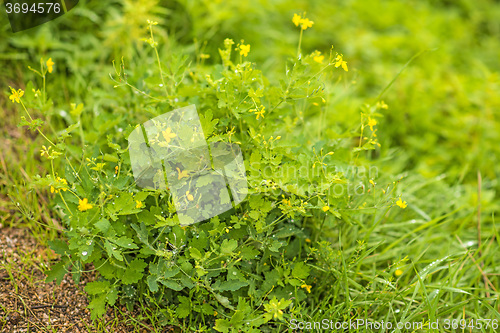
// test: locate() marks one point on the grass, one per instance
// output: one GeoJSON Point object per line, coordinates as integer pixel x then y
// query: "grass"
{"type": "Point", "coordinates": [438, 259]}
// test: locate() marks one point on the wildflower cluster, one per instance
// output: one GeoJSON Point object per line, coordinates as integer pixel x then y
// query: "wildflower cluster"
{"type": "Point", "coordinates": [258, 111]}
{"type": "Point", "coordinates": [61, 184]}
{"type": "Point", "coordinates": [50, 153]}
{"type": "Point", "coordinates": [318, 57]}
{"type": "Point", "coordinates": [339, 61]}
{"type": "Point", "coordinates": [302, 21]}
{"type": "Point", "coordinates": [244, 49]}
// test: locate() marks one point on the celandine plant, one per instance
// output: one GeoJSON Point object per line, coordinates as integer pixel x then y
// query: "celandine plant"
{"type": "Point", "coordinates": [252, 268]}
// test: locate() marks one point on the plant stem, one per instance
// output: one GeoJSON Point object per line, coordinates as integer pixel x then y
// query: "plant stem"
{"type": "Point", "coordinates": [65, 204]}
{"type": "Point", "coordinates": [158, 59]}
{"type": "Point", "coordinates": [41, 133]}
{"type": "Point", "coordinates": [300, 42]}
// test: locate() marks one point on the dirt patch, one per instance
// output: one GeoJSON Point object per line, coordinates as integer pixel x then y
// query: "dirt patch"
{"type": "Point", "coordinates": [28, 304]}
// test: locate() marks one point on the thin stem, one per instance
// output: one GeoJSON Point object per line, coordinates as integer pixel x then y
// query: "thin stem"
{"type": "Point", "coordinates": [158, 59]}
{"type": "Point", "coordinates": [65, 204]}
{"type": "Point", "coordinates": [41, 133]}
{"type": "Point", "coordinates": [300, 42]}
{"type": "Point", "coordinates": [145, 94]}
{"type": "Point", "coordinates": [52, 167]}
{"type": "Point", "coordinates": [44, 101]}
{"type": "Point", "coordinates": [82, 136]}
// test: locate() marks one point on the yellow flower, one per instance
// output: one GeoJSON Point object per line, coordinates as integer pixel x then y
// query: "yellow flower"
{"type": "Point", "coordinates": [16, 95]}
{"type": "Point", "coordinates": [402, 204]}
{"type": "Point", "coordinates": [308, 240]}
{"type": "Point", "coordinates": [381, 105]}
{"type": "Point", "coordinates": [340, 62]}
{"type": "Point", "coordinates": [372, 182]}
{"type": "Point", "coordinates": [182, 174]}
{"type": "Point", "coordinates": [306, 23]}
{"type": "Point", "coordinates": [63, 181]}
{"type": "Point", "coordinates": [116, 169]}
{"type": "Point", "coordinates": [371, 122]}
{"type": "Point", "coordinates": [326, 208]}
{"type": "Point", "coordinates": [59, 180]}
{"type": "Point", "coordinates": [308, 287]}
{"type": "Point", "coordinates": [84, 205]}
{"type": "Point", "coordinates": [189, 196]}
{"type": "Point", "coordinates": [138, 204]}
{"type": "Point", "coordinates": [296, 19]}
{"type": "Point", "coordinates": [319, 58]}
{"type": "Point", "coordinates": [244, 49]}
{"type": "Point", "coordinates": [50, 65]}
{"type": "Point", "coordinates": [398, 272]}
{"type": "Point", "coordinates": [260, 113]}
{"type": "Point", "coordinates": [168, 135]}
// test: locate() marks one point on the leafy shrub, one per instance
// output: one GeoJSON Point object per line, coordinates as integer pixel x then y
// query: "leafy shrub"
{"type": "Point", "coordinates": [249, 268]}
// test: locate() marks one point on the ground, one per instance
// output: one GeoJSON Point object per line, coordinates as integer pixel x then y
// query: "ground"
{"type": "Point", "coordinates": [31, 305]}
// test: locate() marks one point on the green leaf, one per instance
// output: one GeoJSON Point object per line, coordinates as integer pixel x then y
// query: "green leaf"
{"type": "Point", "coordinates": [249, 253]}
{"type": "Point", "coordinates": [222, 325]}
{"type": "Point", "coordinates": [152, 283]}
{"type": "Point", "coordinates": [207, 309]}
{"type": "Point", "coordinates": [207, 123]}
{"type": "Point", "coordinates": [295, 282]}
{"type": "Point", "coordinates": [106, 269]}
{"type": "Point", "coordinates": [112, 296]}
{"type": "Point", "coordinates": [300, 271]}
{"type": "Point", "coordinates": [102, 225]}
{"type": "Point", "coordinates": [184, 308]}
{"type": "Point", "coordinates": [195, 253]}
{"type": "Point", "coordinates": [57, 272]}
{"type": "Point", "coordinates": [59, 247]}
{"type": "Point", "coordinates": [113, 251]}
{"type": "Point", "coordinates": [162, 222]}
{"type": "Point", "coordinates": [141, 196]}
{"type": "Point", "coordinates": [187, 282]}
{"type": "Point", "coordinates": [142, 232]}
{"type": "Point", "coordinates": [172, 285]}
{"type": "Point", "coordinates": [125, 242]}
{"type": "Point", "coordinates": [224, 301]}
{"type": "Point", "coordinates": [200, 242]}
{"type": "Point", "coordinates": [133, 273]}
{"type": "Point", "coordinates": [231, 285]}
{"type": "Point", "coordinates": [98, 306]}
{"type": "Point", "coordinates": [228, 246]}
{"type": "Point", "coordinates": [65, 133]}
{"type": "Point", "coordinates": [110, 158]}
{"type": "Point", "coordinates": [97, 287]}
{"type": "Point", "coordinates": [170, 272]}
{"type": "Point", "coordinates": [254, 214]}
{"type": "Point", "coordinates": [275, 246]}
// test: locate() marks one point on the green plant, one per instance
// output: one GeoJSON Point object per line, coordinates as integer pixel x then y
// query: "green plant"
{"type": "Point", "coordinates": [245, 268]}
{"type": "Point", "coordinates": [366, 256]}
